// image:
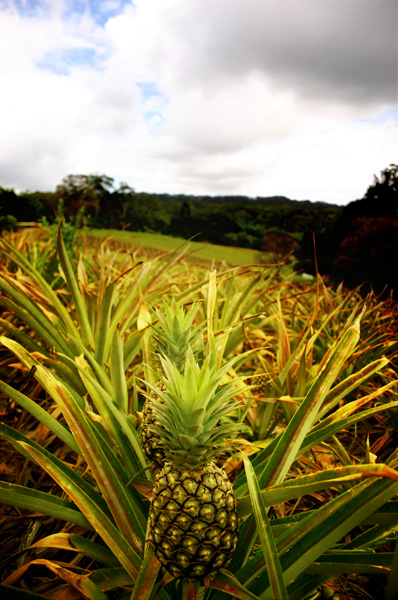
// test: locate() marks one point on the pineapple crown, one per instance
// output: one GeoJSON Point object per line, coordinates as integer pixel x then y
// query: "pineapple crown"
{"type": "Point", "coordinates": [174, 332]}
{"type": "Point", "coordinates": [189, 408]}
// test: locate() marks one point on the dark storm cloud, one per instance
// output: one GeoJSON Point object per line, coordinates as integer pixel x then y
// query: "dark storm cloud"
{"type": "Point", "coordinates": [344, 50]}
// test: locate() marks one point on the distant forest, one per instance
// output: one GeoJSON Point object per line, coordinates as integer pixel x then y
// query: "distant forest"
{"type": "Point", "coordinates": [357, 243]}
{"type": "Point", "coordinates": [228, 220]}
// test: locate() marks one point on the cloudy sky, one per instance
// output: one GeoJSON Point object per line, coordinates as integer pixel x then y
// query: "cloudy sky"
{"type": "Point", "coordinates": [253, 97]}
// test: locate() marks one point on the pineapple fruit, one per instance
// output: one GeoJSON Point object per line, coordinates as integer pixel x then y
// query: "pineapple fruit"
{"type": "Point", "coordinates": [259, 383]}
{"type": "Point", "coordinates": [172, 336]}
{"type": "Point", "coordinates": [193, 523]}
{"type": "Point", "coordinates": [149, 438]}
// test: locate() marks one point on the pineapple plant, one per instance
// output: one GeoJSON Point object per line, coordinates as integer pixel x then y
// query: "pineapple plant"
{"type": "Point", "coordinates": [174, 332]}
{"type": "Point", "coordinates": [172, 336]}
{"type": "Point", "coordinates": [193, 523]}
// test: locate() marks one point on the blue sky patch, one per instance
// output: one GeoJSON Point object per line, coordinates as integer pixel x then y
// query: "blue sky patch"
{"type": "Point", "coordinates": [386, 116]}
{"type": "Point", "coordinates": [61, 60]}
{"type": "Point", "coordinates": [100, 10]}
{"type": "Point", "coordinates": [148, 89]}
{"type": "Point", "coordinates": [28, 8]}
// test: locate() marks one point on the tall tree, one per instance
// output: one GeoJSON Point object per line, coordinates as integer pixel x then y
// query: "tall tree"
{"type": "Point", "coordinates": [384, 190]}
{"type": "Point", "coordinates": [362, 247]}
{"type": "Point", "coordinates": [83, 192]}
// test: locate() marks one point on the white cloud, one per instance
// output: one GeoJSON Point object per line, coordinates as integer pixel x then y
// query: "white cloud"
{"type": "Point", "coordinates": [210, 96]}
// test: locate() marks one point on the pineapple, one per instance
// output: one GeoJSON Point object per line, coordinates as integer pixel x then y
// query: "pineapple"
{"type": "Point", "coordinates": [193, 524]}
{"type": "Point", "coordinates": [259, 382]}
{"type": "Point", "coordinates": [149, 438]}
{"type": "Point", "coordinates": [173, 336]}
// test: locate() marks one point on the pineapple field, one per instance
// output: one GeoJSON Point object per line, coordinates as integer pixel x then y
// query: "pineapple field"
{"type": "Point", "coordinates": [175, 429]}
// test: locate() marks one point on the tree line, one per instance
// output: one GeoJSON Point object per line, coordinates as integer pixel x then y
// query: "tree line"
{"type": "Point", "coordinates": [228, 220]}
{"type": "Point", "coordinates": [357, 244]}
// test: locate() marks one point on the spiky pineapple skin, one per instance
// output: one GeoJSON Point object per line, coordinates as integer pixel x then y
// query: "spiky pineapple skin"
{"type": "Point", "coordinates": [193, 523]}
{"type": "Point", "coordinates": [150, 440]}
{"type": "Point", "coordinates": [260, 382]}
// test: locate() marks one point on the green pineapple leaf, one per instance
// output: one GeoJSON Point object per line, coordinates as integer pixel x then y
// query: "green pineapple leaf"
{"type": "Point", "coordinates": [188, 407]}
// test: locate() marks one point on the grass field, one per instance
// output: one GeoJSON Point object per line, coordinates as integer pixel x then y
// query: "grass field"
{"type": "Point", "coordinates": [163, 243]}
